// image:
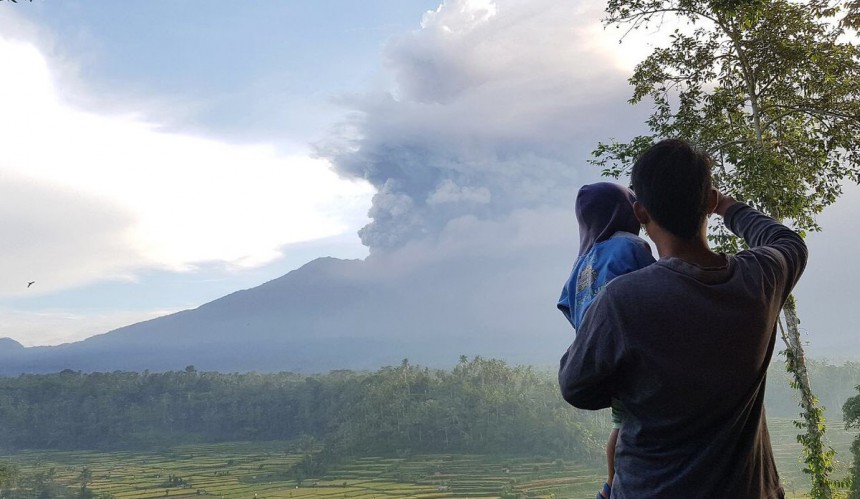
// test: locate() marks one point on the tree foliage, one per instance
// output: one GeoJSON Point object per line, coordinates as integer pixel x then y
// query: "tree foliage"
{"type": "Point", "coordinates": [852, 18]}
{"type": "Point", "coordinates": [771, 89]}
{"type": "Point", "coordinates": [851, 416]}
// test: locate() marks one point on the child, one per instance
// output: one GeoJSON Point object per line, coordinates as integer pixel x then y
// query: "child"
{"type": "Point", "coordinates": [609, 246]}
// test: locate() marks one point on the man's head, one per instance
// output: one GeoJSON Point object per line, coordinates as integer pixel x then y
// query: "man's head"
{"type": "Point", "coordinates": [672, 181]}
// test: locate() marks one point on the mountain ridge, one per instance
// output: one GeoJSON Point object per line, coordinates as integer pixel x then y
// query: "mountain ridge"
{"type": "Point", "coordinates": [328, 314]}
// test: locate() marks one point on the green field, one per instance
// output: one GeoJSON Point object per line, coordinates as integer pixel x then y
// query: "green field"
{"type": "Point", "coordinates": [787, 453]}
{"type": "Point", "coordinates": [257, 470]}
{"type": "Point", "coordinates": [248, 470]}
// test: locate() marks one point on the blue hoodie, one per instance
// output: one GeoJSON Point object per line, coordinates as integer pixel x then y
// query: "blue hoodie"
{"type": "Point", "coordinates": [608, 246]}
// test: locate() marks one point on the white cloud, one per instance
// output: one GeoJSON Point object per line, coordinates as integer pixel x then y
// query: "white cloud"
{"type": "Point", "coordinates": [488, 47]}
{"type": "Point", "coordinates": [108, 195]}
{"type": "Point", "coordinates": [55, 236]}
{"type": "Point", "coordinates": [459, 15]}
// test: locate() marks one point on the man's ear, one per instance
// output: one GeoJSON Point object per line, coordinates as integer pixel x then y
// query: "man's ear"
{"type": "Point", "coordinates": [713, 199]}
{"type": "Point", "coordinates": [641, 213]}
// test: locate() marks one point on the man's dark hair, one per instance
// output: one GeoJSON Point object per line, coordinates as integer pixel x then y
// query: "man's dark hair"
{"type": "Point", "coordinates": [672, 179]}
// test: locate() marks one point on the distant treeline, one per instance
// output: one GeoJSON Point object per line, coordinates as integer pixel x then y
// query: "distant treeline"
{"type": "Point", "coordinates": [480, 406]}
{"type": "Point", "coordinates": [833, 386]}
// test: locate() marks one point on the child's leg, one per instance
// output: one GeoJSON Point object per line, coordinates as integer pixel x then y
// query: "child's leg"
{"type": "Point", "coordinates": [617, 421]}
{"type": "Point", "coordinates": [610, 454]}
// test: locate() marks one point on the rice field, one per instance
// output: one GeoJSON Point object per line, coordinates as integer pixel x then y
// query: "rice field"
{"type": "Point", "coordinates": [259, 470]}
{"type": "Point", "coordinates": [787, 453]}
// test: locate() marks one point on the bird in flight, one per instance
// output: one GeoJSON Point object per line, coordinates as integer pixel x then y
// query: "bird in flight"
{"type": "Point", "coordinates": [31, 283]}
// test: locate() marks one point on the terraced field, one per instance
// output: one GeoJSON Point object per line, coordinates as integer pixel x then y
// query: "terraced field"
{"type": "Point", "coordinates": [258, 470]}
{"type": "Point", "coordinates": [787, 453]}
{"type": "Point", "coordinates": [249, 470]}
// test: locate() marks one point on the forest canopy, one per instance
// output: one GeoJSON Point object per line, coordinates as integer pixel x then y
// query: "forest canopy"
{"type": "Point", "coordinates": [480, 406]}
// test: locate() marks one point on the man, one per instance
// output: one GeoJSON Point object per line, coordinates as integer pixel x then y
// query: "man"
{"type": "Point", "coordinates": [684, 344]}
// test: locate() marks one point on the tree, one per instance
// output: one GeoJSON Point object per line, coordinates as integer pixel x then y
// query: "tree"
{"type": "Point", "coordinates": [84, 478]}
{"type": "Point", "coordinates": [771, 89]}
{"type": "Point", "coordinates": [851, 416]}
{"type": "Point", "coordinates": [852, 18]}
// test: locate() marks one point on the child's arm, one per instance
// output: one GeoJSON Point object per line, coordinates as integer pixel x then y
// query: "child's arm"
{"type": "Point", "coordinates": [564, 301]}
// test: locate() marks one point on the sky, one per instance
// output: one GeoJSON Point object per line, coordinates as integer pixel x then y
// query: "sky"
{"type": "Point", "coordinates": [155, 156]}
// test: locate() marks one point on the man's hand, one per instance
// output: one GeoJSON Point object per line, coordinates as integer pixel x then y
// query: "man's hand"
{"type": "Point", "coordinates": [723, 203]}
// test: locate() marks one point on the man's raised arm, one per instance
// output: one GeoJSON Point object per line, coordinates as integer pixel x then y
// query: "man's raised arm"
{"type": "Point", "coordinates": [785, 249]}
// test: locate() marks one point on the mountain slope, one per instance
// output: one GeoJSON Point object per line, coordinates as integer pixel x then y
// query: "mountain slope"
{"type": "Point", "coordinates": [335, 314]}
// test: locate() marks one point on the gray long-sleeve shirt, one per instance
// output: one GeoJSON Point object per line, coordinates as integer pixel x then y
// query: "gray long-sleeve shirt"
{"type": "Point", "coordinates": [686, 350]}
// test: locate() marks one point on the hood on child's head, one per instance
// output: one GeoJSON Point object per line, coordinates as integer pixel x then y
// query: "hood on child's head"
{"type": "Point", "coordinates": [602, 209]}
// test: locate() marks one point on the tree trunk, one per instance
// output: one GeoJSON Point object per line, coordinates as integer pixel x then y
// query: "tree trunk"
{"type": "Point", "coordinates": [817, 457]}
